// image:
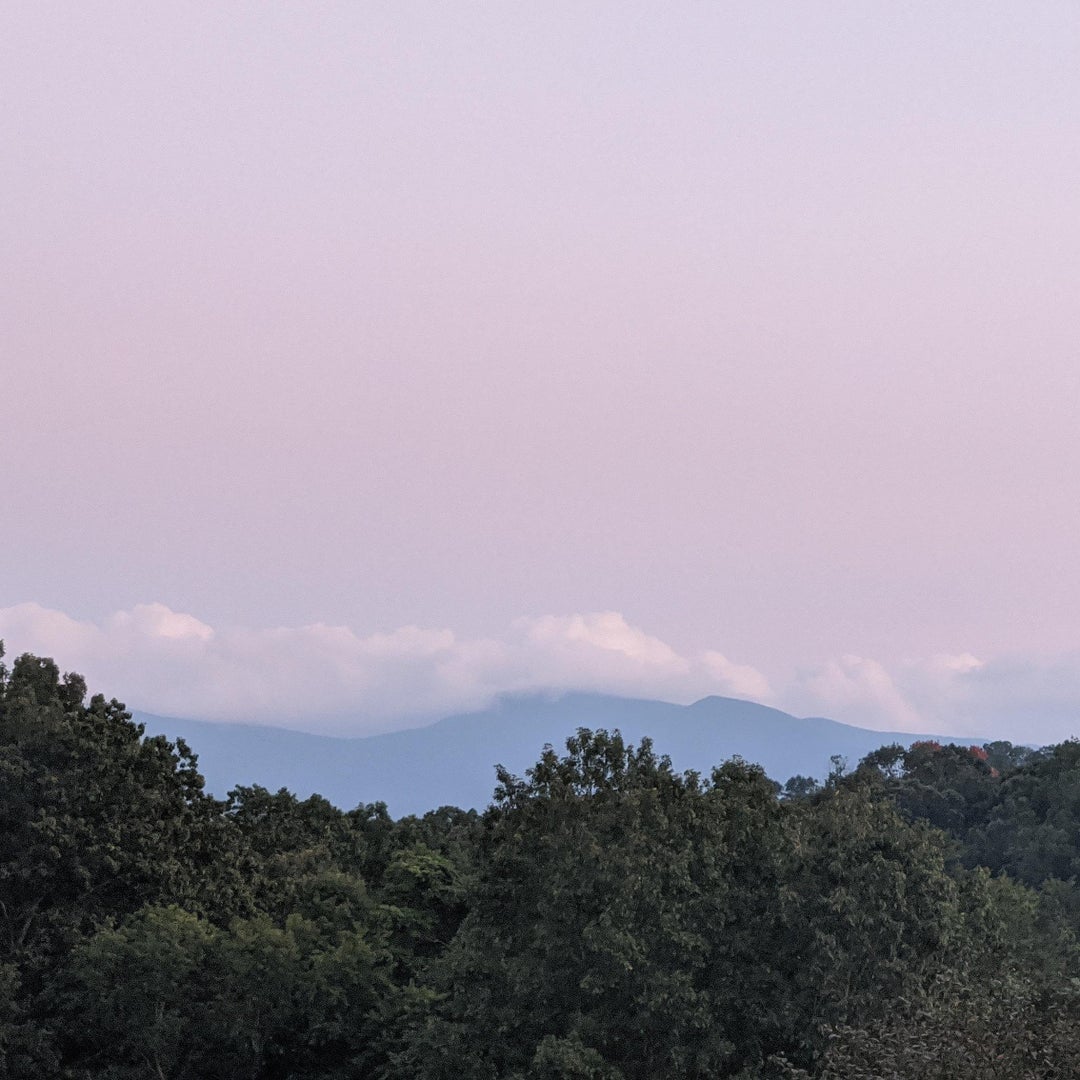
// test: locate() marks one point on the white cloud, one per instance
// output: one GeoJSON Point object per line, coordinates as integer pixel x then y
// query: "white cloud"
{"type": "Point", "coordinates": [1024, 699]}
{"type": "Point", "coordinates": [961, 663]}
{"type": "Point", "coordinates": [34, 626]}
{"type": "Point", "coordinates": [857, 690]}
{"type": "Point", "coordinates": [326, 676]}
{"type": "Point", "coordinates": [607, 631]}
{"type": "Point", "coordinates": [602, 651]}
{"type": "Point", "coordinates": [333, 678]}
{"type": "Point", "coordinates": [740, 680]}
{"type": "Point", "coordinates": [156, 620]}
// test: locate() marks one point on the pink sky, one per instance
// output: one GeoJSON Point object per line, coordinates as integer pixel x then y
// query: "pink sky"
{"type": "Point", "coordinates": [752, 324]}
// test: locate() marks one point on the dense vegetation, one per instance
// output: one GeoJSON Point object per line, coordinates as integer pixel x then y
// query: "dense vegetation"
{"type": "Point", "coordinates": [606, 919]}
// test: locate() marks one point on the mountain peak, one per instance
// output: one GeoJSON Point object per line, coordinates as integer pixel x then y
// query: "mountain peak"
{"type": "Point", "coordinates": [452, 762]}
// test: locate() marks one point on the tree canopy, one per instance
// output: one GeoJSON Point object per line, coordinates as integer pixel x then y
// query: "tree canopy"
{"type": "Point", "coordinates": [607, 917]}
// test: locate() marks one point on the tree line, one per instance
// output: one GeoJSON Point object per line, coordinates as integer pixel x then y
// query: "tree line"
{"type": "Point", "coordinates": [606, 918]}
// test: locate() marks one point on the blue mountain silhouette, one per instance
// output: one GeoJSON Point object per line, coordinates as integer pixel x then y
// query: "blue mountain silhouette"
{"type": "Point", "coordinates": [452, 762]}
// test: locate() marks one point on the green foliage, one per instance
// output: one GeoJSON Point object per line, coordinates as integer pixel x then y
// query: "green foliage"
{"type": "Point", "coordinates": [949, 786]}
{"type": "Point", "coordinates": [661, 925]}
{"type": "Point", "coordinates": [608, 918]}
{"type": "Point", "coordinates": [960, 1030]}
{"type": "Point", "coordinates": [9, 982]}
{"type": "Point", "coordinates": [875, 900]}
{"type": "Point", "coordinates": [95, 820]}
{"type": "Point", "coordinates": [1011, 809]}
{"type": "Point", "coordinates": [166, 993]}
{"type": "Point", "coordinates": [1031, 830]}
{"type": "Point", "coordinates": [800, 787]}
{"type": "Point", "coordinates": [569, 1059]}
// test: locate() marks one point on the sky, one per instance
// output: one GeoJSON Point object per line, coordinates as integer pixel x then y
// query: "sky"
{"type": "Point", "coordinates": [361, 361]}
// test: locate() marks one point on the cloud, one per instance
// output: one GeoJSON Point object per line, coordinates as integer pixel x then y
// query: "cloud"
{"type": "Point", "coordinates": [1020, 698]}
{"type": "Point", "coordinates": [857, 690]}
{"type": "Point", "coordinates": [331, 677]}
{"type": "Point", "coordinates": [156, 620]}
{"type": "Point", "coordinates": [741, 680]}
{"type": "Point", "coordinates": [605, 631]}
{"type": "Point", "coordinates": [962, 663]}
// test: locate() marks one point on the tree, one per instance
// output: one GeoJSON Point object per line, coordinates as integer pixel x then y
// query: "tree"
{"type": "Point", "coordinates": [998, 1029]}
{"type": "Point", "coordinates": [168, 994]}
{"type": "Point", "coordinates": [1032, 829]}
{"type": "Point", "coordinates": [624, 923]}
{"type": "Point", "coordinates": [800, 787]}
{"type": "Point", "coordinates": [949, 786]}
{"type": "Point", "coordinates": [96, 820]}
{"type": "Point", "coordinates": [871, 905]}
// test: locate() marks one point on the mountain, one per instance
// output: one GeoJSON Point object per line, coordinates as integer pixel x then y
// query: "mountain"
{"type": "Point", "coordinates": [452, 762]}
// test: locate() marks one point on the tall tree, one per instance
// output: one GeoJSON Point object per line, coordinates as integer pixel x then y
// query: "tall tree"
{"type": "Point", "coordinates": [95, 820]}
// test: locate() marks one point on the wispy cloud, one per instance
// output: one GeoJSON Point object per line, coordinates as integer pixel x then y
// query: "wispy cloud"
{"type": "Point", "coordinates": [1022, 698]}
{"type": "Point", "coordinates": [850, 687]}
{"type": "Point", "coordinates": [333, 678]}
{"type": "Point", "coordinates": [171, 662]}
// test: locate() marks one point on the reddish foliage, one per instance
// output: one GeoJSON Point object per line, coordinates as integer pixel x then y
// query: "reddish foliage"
{"type": "Point", "coordinates": [980, 754]}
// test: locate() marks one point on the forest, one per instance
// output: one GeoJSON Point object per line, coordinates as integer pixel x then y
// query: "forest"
{"type": "Point", "coordinates": [915, 914]}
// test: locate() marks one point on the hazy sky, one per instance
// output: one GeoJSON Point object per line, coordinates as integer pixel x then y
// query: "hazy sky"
{"type": "Point", "coordinates": [392, 345]}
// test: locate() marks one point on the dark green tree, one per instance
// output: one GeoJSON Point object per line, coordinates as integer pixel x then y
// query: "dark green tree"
{"type": "Point", "coordinates": [168, 994]}
{"type": "Point", "coordinates": [1032, 829]}
{"type": "Point", "coordinates": [95, 819]}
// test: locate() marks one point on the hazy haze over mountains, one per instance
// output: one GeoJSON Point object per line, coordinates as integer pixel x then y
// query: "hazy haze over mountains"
{"type": "Point", "coordinates": [452, 762]}
{"type": "Point", "coordinates": [333, 680]}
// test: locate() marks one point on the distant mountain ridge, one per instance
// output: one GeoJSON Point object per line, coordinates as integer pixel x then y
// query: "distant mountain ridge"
{"type": "Point", "coordinates": [452, 762]}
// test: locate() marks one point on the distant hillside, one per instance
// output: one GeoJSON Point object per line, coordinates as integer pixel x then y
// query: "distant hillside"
{"type": "Point", "coordinates": [452, 762]}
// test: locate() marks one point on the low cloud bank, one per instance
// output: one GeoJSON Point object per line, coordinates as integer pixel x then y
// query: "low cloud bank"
{"type": "Point", "coordinates": [331, 678]}
{"type": "Point", "coordinates": [1020, 698]}
{"type": "Point", "coordinates": [168, 662]}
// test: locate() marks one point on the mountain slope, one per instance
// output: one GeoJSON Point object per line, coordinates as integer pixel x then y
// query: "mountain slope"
{"type": "Point", "coordinates": [452, 761]}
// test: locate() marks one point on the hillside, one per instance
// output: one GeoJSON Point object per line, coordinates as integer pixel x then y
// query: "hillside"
{"type": "Point", "coordinates": [608, 918]}
{"type": "Point", "coordinates": [452, 761]}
